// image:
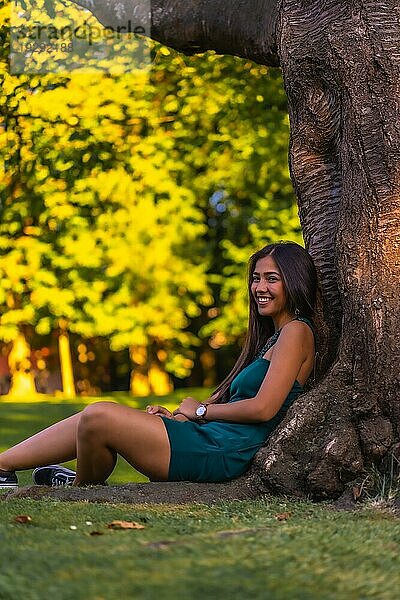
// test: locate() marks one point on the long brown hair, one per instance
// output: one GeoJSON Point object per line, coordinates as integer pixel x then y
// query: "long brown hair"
{"type": "Point", "coordinates": [300, 282]}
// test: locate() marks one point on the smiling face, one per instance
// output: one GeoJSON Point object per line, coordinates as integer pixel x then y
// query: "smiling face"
{"type": "Point", "coordinates": [268, 290]}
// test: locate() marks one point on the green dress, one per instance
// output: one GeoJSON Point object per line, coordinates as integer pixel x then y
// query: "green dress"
{"type": "Point", "coordinates": [220, 450]}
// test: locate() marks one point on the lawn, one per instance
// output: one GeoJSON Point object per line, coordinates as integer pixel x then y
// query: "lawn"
{"type": "Point", "coordinates": [271, 549]}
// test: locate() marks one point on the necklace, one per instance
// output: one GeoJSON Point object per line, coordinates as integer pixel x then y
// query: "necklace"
{"type": "Point", "coordinates": [271, 341]}
{"type": "Point", "coordinates": [268, 344]}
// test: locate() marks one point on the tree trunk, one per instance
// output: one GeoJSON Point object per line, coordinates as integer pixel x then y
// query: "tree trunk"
{"type": "Point", "coordinates": [67, 374]}
{"type": "Point", "coordinates": [341, 66]}
{"type": "Point", "coordinates": [341, 63]}
{"type": "Point", "coordinates": [22, 377]}
{"type": "Point", "coordinates": [147, 375]}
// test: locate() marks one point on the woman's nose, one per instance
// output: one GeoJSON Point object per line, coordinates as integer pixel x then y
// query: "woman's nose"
{"type": "Point", "coordinates": [262, 286]}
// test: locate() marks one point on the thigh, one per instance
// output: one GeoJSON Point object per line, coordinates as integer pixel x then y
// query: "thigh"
{"type": "Point", "coordinates": [139, 437]}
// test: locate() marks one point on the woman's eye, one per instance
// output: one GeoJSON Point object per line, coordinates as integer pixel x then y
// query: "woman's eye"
{"type": "Point", "coordinates": [270, 279]}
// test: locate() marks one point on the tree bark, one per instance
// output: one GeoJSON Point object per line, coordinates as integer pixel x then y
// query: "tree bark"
{"type": "Point", "coordinates": [245, 28]}
{"type": "Point", "coordinates": [341, 69]}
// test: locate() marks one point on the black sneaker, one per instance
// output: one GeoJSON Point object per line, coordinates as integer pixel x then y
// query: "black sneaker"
{"type": "Point", "coordinates": [53, 475]}
{"type": "Point", "coordinates": [8, 480]}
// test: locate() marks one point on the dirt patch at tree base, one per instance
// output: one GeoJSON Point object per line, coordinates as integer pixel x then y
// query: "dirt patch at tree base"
{"type": "Point", "coordinates": [140, 493]}
{"type": "Point", "coordinates": [174, 493]}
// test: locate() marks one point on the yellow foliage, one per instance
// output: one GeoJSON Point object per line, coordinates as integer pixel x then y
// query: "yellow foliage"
{"type": "Point", "coordinates": [116, 173]}
{"type": "Point", "coordinates": [138, 354]}
{"type": "Point", "coordinates": [159, 381]}
{"type": "Point", "coordinates": [140, 385]}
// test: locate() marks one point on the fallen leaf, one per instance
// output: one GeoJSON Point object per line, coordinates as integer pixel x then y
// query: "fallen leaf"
{"type": "Point", "coordinates": [283, 516]}
{"type": "Point", "coordinates": [356, 492]}
{"type": "Point", "coordinates": [23, 519]}
{"type": "Point", "coordinates": [125, 525]}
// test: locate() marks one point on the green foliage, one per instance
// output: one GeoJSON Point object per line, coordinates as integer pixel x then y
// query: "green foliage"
{"type": "Point", "coordinates": [238, 166]}
{"type": "Point", "coordinates": [130, 203]}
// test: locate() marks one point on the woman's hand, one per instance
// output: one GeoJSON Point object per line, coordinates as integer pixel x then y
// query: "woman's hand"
{"type": "Point", "coordinates": [161, 411]}
{"type": "Point", "coordinates": [188, 407]}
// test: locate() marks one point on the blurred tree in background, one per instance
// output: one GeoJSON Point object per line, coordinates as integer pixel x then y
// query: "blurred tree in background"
{"type": "Point", "coordinates": [130, 205]}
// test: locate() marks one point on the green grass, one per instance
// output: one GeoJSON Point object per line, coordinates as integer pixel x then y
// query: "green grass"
{"type": "Point", "coordinates": [235, 550]}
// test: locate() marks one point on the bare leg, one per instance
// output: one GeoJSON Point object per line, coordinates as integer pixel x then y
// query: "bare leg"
{"type": "Point", "coordinates": [96, 435]}
{"type": "Point", "coordinates": [52, 445]}
{"type": "Point", "coordinates": [106, 429]}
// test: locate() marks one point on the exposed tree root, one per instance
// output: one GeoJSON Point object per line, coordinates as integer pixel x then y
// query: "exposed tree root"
{"type": "Point", "coordinates": [315, 451]}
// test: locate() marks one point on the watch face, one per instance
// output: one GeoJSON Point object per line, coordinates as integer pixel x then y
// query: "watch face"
{"type": "Point", "coordinates": [200, 411]}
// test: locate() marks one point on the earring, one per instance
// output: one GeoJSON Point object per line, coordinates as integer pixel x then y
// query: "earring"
{"type": "Point", "coordinates": [297, 312]}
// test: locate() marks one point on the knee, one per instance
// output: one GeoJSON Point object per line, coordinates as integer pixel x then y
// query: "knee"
{"type": "Point", "coordinates": [94, 418]}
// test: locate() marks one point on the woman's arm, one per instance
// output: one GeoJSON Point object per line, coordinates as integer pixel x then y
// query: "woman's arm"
{"type": "Point", "coordinates": [289, 354]}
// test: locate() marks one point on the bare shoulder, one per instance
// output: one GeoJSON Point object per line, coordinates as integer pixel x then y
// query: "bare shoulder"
{"type": "Point", "coordinates": [292, 356]}
{"type": "Point", "coordinates": [297, 329]}
{"type": "Point", "coordinates": [297, 334]}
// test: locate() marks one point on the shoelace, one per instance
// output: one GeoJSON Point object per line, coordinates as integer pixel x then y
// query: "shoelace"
{"type": "Point", "coordinates": [60, 479]}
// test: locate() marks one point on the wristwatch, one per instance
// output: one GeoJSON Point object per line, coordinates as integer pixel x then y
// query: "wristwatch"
{"type": "Point", "coordinates": [201, 412]}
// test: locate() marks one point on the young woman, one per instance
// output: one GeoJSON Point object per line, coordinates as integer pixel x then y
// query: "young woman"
{"type": "Point", "coordinates": [211, 441]}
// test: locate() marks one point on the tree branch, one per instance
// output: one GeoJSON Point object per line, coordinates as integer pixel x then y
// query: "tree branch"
{"type": "Point", "coordinates": [245, 28]}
